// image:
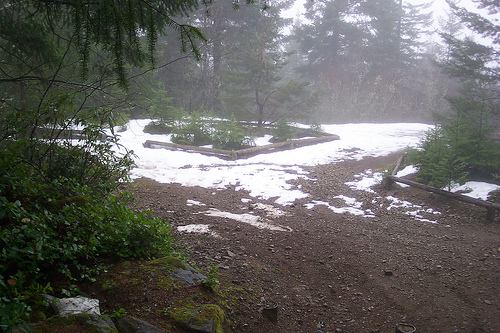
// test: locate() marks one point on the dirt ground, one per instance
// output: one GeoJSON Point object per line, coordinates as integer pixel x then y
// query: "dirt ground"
{"type": "Point", "coordinates": [330, 272]}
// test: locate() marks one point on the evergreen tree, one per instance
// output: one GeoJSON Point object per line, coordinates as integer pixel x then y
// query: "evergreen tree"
{"type": "Point", "coordinates": [466, 134]}
{"type": "Point", "coordinates": [469, 58]}
{"type": "Point", "coordinates": [330, 37]}
{"type": "Point", "coordinates": [82, 48]}
{"type": "Point", "coordinates": [252, 79]}
{"type": "Point", "coordinates": [361, 55]}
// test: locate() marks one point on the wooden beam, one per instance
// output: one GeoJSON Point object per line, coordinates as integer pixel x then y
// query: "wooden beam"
{"type": "Point", "coordinates": [234, 154]}
{"type": "Point", "coordinates": [490, 206]}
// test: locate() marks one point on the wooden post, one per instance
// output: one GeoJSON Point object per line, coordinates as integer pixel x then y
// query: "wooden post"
{"type": "Point", "coordinates": [388, 181]}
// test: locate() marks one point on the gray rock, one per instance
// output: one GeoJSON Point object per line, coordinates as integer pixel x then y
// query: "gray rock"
{"type": "Point", "coordinates": [206, 327]}
{"type": "Point", "coordinates": [74, 305]}
{"type": "Point", "coordinates": [103, 325]}
{"type": "Point", "coordinates": [130, 324]}
{"type": "Point", "coordinates": [190, 276]}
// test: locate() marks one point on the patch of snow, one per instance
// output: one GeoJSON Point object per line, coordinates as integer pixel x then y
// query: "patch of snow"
{"type": "Point", "coordinates": [271, 211]}
{"type": "Point", "coordinates": [250, 219]}
{"type": "Point", "coordinates": [365, 180]}
{"type": "Point", "coordinates": [408, 170]}
{"type": "Point", "coordinates": [197, 229]}
{"type": "Point", "coordinates": [264, 176]}
{"type": "Point", "coordinates": [411, 209]}
{"type": "Point", "coordinates": [194, 203]}
{"type": "Point", "coordinates": [337, 210]}
{"type": "Point", "coordinates": [478, 190]}
{"type": "Point", "coordinates": [263, 140]}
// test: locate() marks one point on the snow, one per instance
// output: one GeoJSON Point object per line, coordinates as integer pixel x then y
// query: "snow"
{"type": "Point", "coordinates": [194, 203]}
{"type": "Point", "coordinates": [267, 176]}
{"type": "Point", "coordinates": [251, 219]}
{"type": "Point", "coordinates": [476, 190]}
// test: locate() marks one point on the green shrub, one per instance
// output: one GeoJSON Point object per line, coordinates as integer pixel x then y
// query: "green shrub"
{"type": "Point", "coordinates": [462, 147]}
{"type": "Point", "coordinates": [62, 228]}
{"type": "Point", "coordinates": [231, 136]}
{"type": "Point", "coordinates": [195, 131]}
{"type": "Point", "coordinates": [62, 213]}
{"type": "Point", "coordinates": [158, 127]}
{"type": "Point", "coordinates": [283, 131]}
{"type": "Point", "coordinates": [438, 165]}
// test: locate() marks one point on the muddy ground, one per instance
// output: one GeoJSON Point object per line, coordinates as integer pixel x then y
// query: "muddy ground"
{"type": "Point", "coordinates": [333, 272]}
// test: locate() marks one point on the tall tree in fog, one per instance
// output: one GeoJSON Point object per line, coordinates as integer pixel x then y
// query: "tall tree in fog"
{"type": "Point", "coordinates": [395, 29]}
{"type": "Point", "coordinates": [470, 58]}
{"type": "Point", "coordinates": [228, 27]}
{"type": "Point", "coordinates": [463, 146]}
{"type": "Point", "coordinates": [253, 85]}
{"type": "Point", "coordinates": [331, 43]}
{"type": "Point", "coordinates": [475, 109]}
{"type": "Point", "coordinates": [331, 38]}
{"type": "Point", "coordinates": [360, 52]}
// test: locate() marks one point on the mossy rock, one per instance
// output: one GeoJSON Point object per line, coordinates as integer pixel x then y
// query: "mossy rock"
{"type": "Point", "coordinates": [207, 318]}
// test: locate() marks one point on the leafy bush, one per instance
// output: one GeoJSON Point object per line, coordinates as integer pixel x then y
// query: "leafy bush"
{"type": "Point", "coordinates": [62, 214]}
{"type": "Point", "coordinates": [195, 131]}
{"type": "Point", "coordinates": [283, 131]}
{"type": "Point", "coordinates": [231, 136]}
{"type": "Point", "coordinates": [158, 127]}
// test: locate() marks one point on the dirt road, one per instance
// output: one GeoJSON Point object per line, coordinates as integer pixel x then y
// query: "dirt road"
{"type": "Point", "coordinates": [333, 272]}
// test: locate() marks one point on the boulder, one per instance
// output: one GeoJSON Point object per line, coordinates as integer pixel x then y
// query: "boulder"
{"type": "Point", "coordinates": [74, 305]}
{"type": "Point", "coordinates": [131, 324]}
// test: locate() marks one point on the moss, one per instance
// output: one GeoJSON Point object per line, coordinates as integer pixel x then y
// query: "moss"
{"type": "Point", "coordinates": [212, 311]}
{"type": "Point", "coordinates": [134, 281]}
{"type": "Point", "coordinates": [200, 317]}
{"type": "Point", "coordinates": [182, 315]}
{"type": "Point", "coordinates": [109, 286]}
{"type": "Point", "coordinates": [166, 283]}
{"type": "Point", "coordinates": [168, 263]}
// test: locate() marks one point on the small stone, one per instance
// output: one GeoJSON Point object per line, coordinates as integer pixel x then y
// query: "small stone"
{"type": "Point", "coordinates": [487, 302]}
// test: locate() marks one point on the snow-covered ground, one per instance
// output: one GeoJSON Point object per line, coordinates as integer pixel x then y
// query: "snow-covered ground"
{"type": "Point", "coordinates": [265, 176]}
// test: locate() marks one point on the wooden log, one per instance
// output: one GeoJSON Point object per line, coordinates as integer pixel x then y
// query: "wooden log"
{"type": "Point", "coordinates": [174, 146]}
{"type": "Point", "coordinates": [234, 154]}
{"type": "Point", "coordinates": [398, 164]}
{"type": "Point", "coordinates": [388, 182]}
{"type": "Point", "coordinates": [490, 206]}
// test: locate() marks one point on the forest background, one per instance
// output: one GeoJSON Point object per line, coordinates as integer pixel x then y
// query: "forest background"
{"type": "Point", "coordinates": [88, 66]}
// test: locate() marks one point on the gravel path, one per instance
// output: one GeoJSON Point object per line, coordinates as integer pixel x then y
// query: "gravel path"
{"type": "Point", "coordinates": [334, 272]}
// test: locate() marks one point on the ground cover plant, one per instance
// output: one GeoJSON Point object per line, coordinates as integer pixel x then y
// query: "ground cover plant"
{"type": "Point", "coordinates": [63, 214]}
